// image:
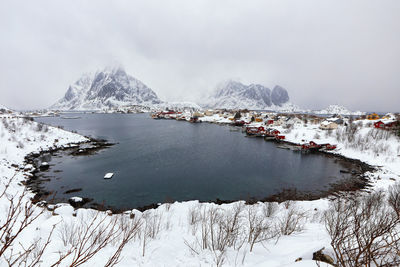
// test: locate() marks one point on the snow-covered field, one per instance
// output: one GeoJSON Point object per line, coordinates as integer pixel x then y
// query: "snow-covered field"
{"type": "Point", "coordinates": [177, 234]}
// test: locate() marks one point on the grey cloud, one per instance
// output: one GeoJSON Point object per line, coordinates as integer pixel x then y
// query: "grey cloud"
{"type": "Point", "coordinates": [323, 52]}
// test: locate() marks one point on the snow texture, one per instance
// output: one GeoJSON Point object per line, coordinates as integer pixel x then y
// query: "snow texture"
{"type": "Point", "coordinates": [234, 95]}
{"type": "Point", "coordinates": [177, 242]}
{"type": "Point", "coordinates": [108, 175]}
{"type": "Point", "coordinates": [339, 110]}
{"type": "Point", "coordinates": [109, 88]}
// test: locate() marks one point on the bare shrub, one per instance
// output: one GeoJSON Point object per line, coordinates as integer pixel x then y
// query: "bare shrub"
{"type": "Point", "coordinates": [151, 227]}
{"type": "Point", "coordinates": [194, 216]}
{"type": "Point", "coordinates": [93, 233]}
{"type": "Point", "coordinates": [213, 234]}
{"type": "Point", "coordinates": [328, 133]}
{"type": "Point", "coordinates": [364, 230]}
{"type": "Point", "coordinates": [288, 203]}
{"type": "Point", "coordinates": [5, 123]}
{"type": "Point", "coordinates": [82, 241]}
{"type": "Point", "coordinates": [394, 198]}
{"type": "Point", "coordinates": [373, 140]}
{"type": "Point", "coordinates": [20, 145]}
{"type": "Point", "coordinates": [218, 229]}
{"type": "Point", "coordinates": [67, 232]}
{"type": "Point", "coordinates": [39, 127]}
{"type": "Point", "coordinates": [129, 228]}
{"type": "Point", "coordinates": [259, 229]}
{"type": "Point", "coordinates": [270, 209]}
{"type": "Point", "coordinates": [292, 221]}
{"type": "Point", "coordinates": [19, 214]}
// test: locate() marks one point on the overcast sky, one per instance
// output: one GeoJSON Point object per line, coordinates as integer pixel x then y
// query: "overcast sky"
{"type": "Point", "coordinates": [323, 52]}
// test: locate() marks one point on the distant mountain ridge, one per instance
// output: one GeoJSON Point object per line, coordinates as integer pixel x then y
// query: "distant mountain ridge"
{"type": "Point", "coordinates": [339, 110]}
{"type": "Point", "coordinates": [112, 88]}
{"type": "Point", "coordinates": [109, 88]}
{"type": "Point", "coordinates": [233, 94]}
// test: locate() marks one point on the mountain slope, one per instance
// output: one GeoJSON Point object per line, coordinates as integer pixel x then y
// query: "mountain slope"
{"type": "Point", "coordinates": [339, 110]}
{"type": "Point", "coordinates": [111, 87]}
{"type": "Point", "coordinates": [4, 109]}
{"type": "Point", "coordinates": [234, 95]}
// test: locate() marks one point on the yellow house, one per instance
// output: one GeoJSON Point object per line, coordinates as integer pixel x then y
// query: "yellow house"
{"type": "Point", "coordinates": [373, 116]}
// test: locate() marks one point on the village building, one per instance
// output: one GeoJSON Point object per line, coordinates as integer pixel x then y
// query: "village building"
{"type": "Point", "coordinates": [328, 125]}
{"type": "Point", "coordinates": [209, 112]}
{"type": "Point", "coordinates": [198, 114]}
{"type": "Point", "coordinates": [385, 124]}
{"type": "Point", "coordinates": [337, 120]}
{"type": "Point", "coordinates": [373, 116]}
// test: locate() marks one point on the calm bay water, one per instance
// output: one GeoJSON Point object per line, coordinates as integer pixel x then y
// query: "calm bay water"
{"type": "Point", "coordinates": [159, 160]}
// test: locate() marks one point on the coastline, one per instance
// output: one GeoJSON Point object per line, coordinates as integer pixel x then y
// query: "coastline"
{"type": "Point", "coordinates": [302, 244]}
{"type": "Point", "coordinates": [356, 168]}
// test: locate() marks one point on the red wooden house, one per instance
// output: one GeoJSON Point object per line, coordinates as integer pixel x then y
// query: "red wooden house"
{"type": "Point", "coordinates": [382, 125]}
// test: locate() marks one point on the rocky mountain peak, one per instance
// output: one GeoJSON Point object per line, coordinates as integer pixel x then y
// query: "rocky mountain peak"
{"type": "Point", "coordinates": [279, 95]}
{"type": "Point", "coordinates": [233, 94]}
{"type": "Point", "coordinates": [110, 87]}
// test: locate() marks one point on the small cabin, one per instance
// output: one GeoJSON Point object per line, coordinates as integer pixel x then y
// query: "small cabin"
{"type": "Point", "coordinates": [198, 114]}
{"type": "Point", "coordinates": [389, 116]}
{"type": "Point", "coordinates": [209, 112]}
{"type": "Point", "coordinates": [382, 125]}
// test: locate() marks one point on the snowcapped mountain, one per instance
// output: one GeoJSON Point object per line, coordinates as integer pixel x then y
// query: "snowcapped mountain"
{"type": "Point", "coordinates": [232, 95]}
{"type": "Point", "coordinates": [109, 88]}
{"type": "Point", "coordinates": [340, 110]}
{"type": "Point", "coordinates": [4, 109]}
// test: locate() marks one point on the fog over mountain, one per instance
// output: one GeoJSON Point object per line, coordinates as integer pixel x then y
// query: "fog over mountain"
{"type": "Point", "coordinates": [233, 94]}
{"type": "Point", "coordinates": [113, 87]}
{"type": "Point", "coordinates": [110, 87]}
{"type": "Point", "coordinates": [325, 52]}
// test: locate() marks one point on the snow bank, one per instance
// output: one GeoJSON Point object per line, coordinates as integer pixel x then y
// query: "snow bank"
{"type": "Point", "coordinates": [340, 110]}
{"type": "Point", "coordinates": [171, 235]}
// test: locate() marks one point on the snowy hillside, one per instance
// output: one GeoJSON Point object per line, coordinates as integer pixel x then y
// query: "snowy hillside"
{"type": "Point", "coordinates": [111, 87]}
{"type": "Point", "coordinates": [232, 95]}
{"type": "Point", "coordinates": [179, 105]}
{"type": "Point", "coordinates": [4, 109]}
{"type": "Point", "coordinates": [340, 110]}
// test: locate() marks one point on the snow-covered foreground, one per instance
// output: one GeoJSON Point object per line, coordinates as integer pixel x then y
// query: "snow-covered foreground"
{"type": "Point", "coordinates": [177, 234]}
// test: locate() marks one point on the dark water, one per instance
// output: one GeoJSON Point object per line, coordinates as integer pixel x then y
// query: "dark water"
{"type": "Point", "coordinates": [158, 160]}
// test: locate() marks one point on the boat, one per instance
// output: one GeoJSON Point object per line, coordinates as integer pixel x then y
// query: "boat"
{"type": "Point", "coordinates": [328, 147]}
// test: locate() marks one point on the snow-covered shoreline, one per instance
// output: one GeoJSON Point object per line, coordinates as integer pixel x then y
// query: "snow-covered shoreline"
{"type": "Point", "coordinates": [175, 234]}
